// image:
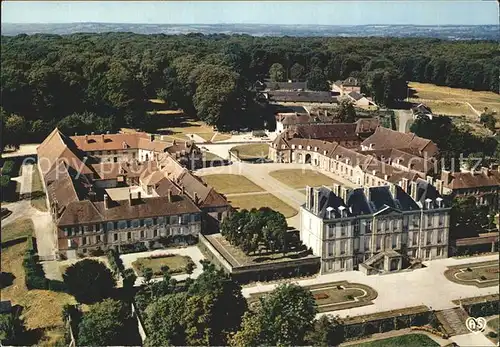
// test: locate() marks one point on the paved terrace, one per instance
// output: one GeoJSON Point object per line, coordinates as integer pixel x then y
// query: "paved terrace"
{"type": "Point", "coordinates": [426, 286]}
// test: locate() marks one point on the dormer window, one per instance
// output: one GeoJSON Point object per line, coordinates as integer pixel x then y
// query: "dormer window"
{"type": "Point", "coordinates": [300, 146]}
{"type": "Point", "coordinates": [315, 149]}
{"type": "Point", "coordinates": [308, 148]}
{"type": "Point", "coordinates": [293, 146]}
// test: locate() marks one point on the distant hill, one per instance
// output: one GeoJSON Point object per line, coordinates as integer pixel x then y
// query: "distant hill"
{"type": "Point", "coordinates": [449, 32]}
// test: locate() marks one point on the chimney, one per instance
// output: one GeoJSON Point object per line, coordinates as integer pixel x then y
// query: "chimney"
{"type": "Point", "coordinates": [107, 132]}
{"type": "Point", "coordinates": [86, 138]}
{"type": "Point", "coordinates": [371, 146]}
{"type": "Point", "coordinates": [446, 177]}
{"type": "Point", "coordinates": [428, 203]}
{"type": "Point", "coordinates": [129, 197]}
{"type": "Point", "coordinates": [196, 197]}
{"type": "Point", "coordinates": [151, 137]}
{"type": "Point", "coordinates": [106, 201]}
{"type": "Point", "coordinates": [139, 196]}
{"type": "Point", "coordinates": [404, 184]}
{"type": "Point", "coordinates": [439, 186]}
{"type": "Point", "coordinates": [386, 177]}
{"type": "Point", "coordinates": [439, 201]}
{"type": "Point", "coordinates": [308, 198]}
{"type": "Point", "coordinates": [393, 189]}
{"type": "Point", "coordinates": [173, 142]}
{"type": "Point", "coordinates": [315, 202]}
{"type": "Point", "coordinates": [413, 190]}
{"type": "Point", "coordinates": [342, 211]}
{"type": "Point", "coordinates": [92, 133]}
{"type": "Point", "coordinates": [366, 190]}
{"type": "Point", "coordinates": [343, 194]}
{"type": "Point", "coordinates": [169, 195]}
{"type": "Point", "coordinates": [329, 210]}
{"type": "Point", "coordinates": [102, 137]}
{"type": "Point", "coordinates": [336, 189]}
{"type": "Point", "coordinates": [429, 179]}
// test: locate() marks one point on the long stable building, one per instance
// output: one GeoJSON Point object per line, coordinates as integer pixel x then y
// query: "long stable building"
{"type": "Point", "coordinates": [113, 189]}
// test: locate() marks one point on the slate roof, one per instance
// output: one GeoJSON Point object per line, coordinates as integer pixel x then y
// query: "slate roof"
{"type": "Point", "coordinates": [464, 180]}
{"type": "Point", "coordinates": [285, 85]}
{"type": "Point", "coordinates": [309, 96]}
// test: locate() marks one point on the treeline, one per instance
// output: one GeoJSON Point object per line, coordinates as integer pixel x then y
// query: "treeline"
{"type": "Point", "coordinates": [106, 79]}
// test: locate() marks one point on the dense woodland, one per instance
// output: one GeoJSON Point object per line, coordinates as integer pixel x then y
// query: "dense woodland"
{"type": "Point", "coordinates": [100, 82]}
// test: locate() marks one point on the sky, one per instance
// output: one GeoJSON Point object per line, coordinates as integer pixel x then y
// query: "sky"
{"type": "Point", "coordinates": [446, 12]}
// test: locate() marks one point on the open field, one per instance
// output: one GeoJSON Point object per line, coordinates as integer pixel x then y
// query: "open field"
{"type": "Point", "coordinates": [299, 179]}
{"type": "Point", "coordinates": [176, 263]}
{"type": "Point", "coordinates": [20, 228]}
{"type": "Point", "coordinates": [231, 184]}
{"type": "Point", "coordinates": [398, 341]}
{"type": "Point", "coordinates": [450, 108]}
{"type": "Point", "coordinates": [447, 96]}
{"type": "Point", "coordinates": [261, 200]}
{"type": "Point", "coordinates": [253, 151]}
{"type": "Point", "coordinates": [42, 309]}
{"type": "Point", "coordinates": [336, 295]}
{"type": "Point", "coordinates": [483, 274]}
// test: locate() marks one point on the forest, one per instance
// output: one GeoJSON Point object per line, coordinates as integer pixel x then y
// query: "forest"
{"type": "Point", "coordinates": [101, 82]}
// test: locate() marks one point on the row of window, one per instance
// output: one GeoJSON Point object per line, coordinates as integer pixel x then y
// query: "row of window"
{"type": "Point", "coordinates": [134, 223]}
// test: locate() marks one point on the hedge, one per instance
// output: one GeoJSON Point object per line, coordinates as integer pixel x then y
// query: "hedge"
{"type": "Point", "coordinates": [8, 168]}
{"type": "Point", "coordinates": [35, 276]}
{"type": "Point", "coordinates": [483, 309]}
{"type": "Point", "coordinates": [115, 262]}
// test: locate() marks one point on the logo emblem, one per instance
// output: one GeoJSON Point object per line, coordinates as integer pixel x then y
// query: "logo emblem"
{"type": "Point", "coordinates": [475, 325]}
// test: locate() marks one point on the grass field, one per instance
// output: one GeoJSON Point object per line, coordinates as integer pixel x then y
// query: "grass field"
{"type": "Point", "coordinates": [38, 200]}
{"type": "Point", "coordinates": [20, 228]}
{"type": "Point", "coordinates": [262, 200]}
{"type": "Point", "coordinates": [41, 308]}
{"type": "Point", "coordinates": [176, 263]}
{"type": "Point", "coordinates": [231, 184]}
{"type": "Point", "coordinates": [483, 274]}
{"type": "Point", "coordinates": [221, 137]}
{"type": "Point", "coordinates": [450, 96]}
{"type": "Point", "coordinates": [494, 324]}
{"type": "Point", "coordinates": [254, 151]}
{"type": "Point", "coordinates": [412, 340]}
{"type": "Point", "coordinates": [336, 295]}
{"type": "Point", "coordinates": [298, 178]}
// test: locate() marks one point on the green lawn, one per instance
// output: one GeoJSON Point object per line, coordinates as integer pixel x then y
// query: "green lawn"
{"type": "Point", "coordinates": [231, 184]}
{"type": "Point", "coordinates": [38, 200]}
{"type": "Point", "coordinates": [176, 263]}
{"type": "Point", "coordinates": [410, 340]}
{"type": "Point", "coordinates": [254, 151]}
{"type": "Point", "coordinates": [17, 229]}
{"type": "Point", "coordinates": [298, 178]}
{"type": "Point", "coordinates": [483, 274]}
{"type": "Point", "coordinates": [494, 324]}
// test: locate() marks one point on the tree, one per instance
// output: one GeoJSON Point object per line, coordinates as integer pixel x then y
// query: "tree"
{"type": "Point", "coordinates": [190, 268]}
{"type": "Point", "coordinates": [165, 321]}
{"type": "Point", "coordinates": [89, 281]}
{"type": "Point", "coordinates": [103, 324]}
{"type": "Point", "coordinates": [327, 331]}
{"type": "Point", "coordinates": [466, 218]}
{"type": "Point", "coordinates": [346, 112]}
{"type": "Point", "coordinates": [297, 72]}
{"type": "Point", "coordinates": [14, 131]}
{"type": "Point", "coordinates": [129, 279]}
{"type": "Point", "coordinates": [488, 120]}
{"type": "Point", "coordinates": [283, 318]}
{"type": "Point", "coordinates": [316, 80]}
{"type": "Point", "coordinates": [277, 72]}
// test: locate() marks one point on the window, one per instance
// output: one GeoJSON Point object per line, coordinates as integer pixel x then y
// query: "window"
{"type": "Point", "coordinates": [368, 228]}
{"type": "Point", "coordinates": [330, 249]}
{"type": "Point", "coordinates": [173, 219]}
{"type": "Point", "coordinates": [356, 228]}
{"type": "Point", "coordinates": [379, 243]}
{"type": "Point", "coordinates": [148, 222]}
{"type": "Point", "coordinates": [439, 251]}
{"type": "Point", "coordinates": [427, 253]}
{"type": "Point", "coordinates": [135, 223]}
{"type": "Point", "coordinates": [161, 220]}
{"type": "Point", "coordinates": [110, 225]}
{"type": "Point", "coordinates": [429, 220]}
{"type": "Point", "coordinates": [414, 238]}
{"type": "Point", "coordinates": [98, 238]}
{"type": "Point", "coordinates": [142, 234]}
{"type": "Point", "coordinates": [84, 240]}
{"type": "Point", "coordinates": [415, 221]}
{"type": "Point", "coordinates": [394, 240]}
{"type": "Point", "coordinates": [343, 228]}
{"type": "Point", "coordinates": [67, 231]}
{"type": "Point", "coordinates": [343, 247]}
{"type": "Point", "coordinates": [441, 219]}
{"type": "Point", "coordinates": [129, 235]}
{"type": "Point", "coordinates": [155, 233]}
{"type": "Point", "coordinates": [122, 224]}
{"type": "Point", "coordinates": [342, 264]}
{"type": "Point", "coordinates": [331, 231]}
{"type": "Point", "coordinates": [115, 237]}
{"type": "Point", "coordinates": [379, 225]}
{"type": "Point", "coordinates": [440, 236]}
{"type": "Point", "coordinates": [367, 243]}
{"type": "Point", "coordinates": [185, 218]}
{"type": "Point", "coordinates": [429, 237]}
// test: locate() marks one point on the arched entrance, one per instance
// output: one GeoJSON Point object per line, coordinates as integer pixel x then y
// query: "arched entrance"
{"type": "Point", "coordinates": [308, 159]}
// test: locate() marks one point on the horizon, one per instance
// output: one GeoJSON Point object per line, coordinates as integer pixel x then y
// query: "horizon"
{"type": "Point", "coordinates": [327, 13]}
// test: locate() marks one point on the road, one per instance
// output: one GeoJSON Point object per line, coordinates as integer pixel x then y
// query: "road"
{"type": "Point", "coordinates": [403, 116]}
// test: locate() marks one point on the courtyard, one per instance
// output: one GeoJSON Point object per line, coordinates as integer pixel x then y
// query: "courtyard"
{"type": "Point", "coordinates": [231, 184]}
{"type": "Point", "coordinates": [252, 151]}
{"type": "Point", "coordinates": [335, 296]}
{"type": "Point", "coordinates": [249, 201]}
{"type": "Point", "coordinates": [483, 274]}
{"type": "Point", "coordinates": [300, 178]}
{"type": "Point", "coordinates": [177, 264]}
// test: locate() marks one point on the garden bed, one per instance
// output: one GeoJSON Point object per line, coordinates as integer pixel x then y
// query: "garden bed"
{"type": "Point", "coordinates": [176, 263]}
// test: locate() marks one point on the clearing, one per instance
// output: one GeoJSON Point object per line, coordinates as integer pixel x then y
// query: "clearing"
{"type": "Point", "coordinates": [454, 101]}
{"type": "Point", "coordinates": [253, 151]}
{"type": "Point", "coordinates": [42, 309]}
{"type": "Point", "coordinates": [231, 184]}
{"type": "Point", "coordinates": [336, 296]}
{"type": "Point", "coordinates": [483, 274]}
{"type": "Point", "coordinates": [249, 201]}
{"type": "Point", "coordinates": [20, 228]}
{"type": "Point", "coordinates": [403, 340]}
{"type": "Point", "coordinates": [176, 263]}
{"type": "Point", "coordinates": [299, 179]}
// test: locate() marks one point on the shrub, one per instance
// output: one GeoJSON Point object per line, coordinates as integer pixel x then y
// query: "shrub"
{"type": "Point", "coordinates": [8, 168]}
{"type": "Point", "coordinates": [492, 334]}
{"type": "Point", "coordinates": [115, 262]}
{"type": "Point", "coordinates": [35, 276]}
{"type": "Point", "coordinates": [96, 252]}
{"type": "Point", "coordinates": [133, 248]}
{"type": "Point", "coordinates": [350, 297]}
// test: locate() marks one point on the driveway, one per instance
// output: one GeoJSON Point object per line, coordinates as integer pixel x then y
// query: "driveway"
{"type": "Point", "coordinates": [192, 251]}
{"type": "Point", "coordinates": [426, 286]}
{"type": "Point", "coordinates": [403, 116]}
